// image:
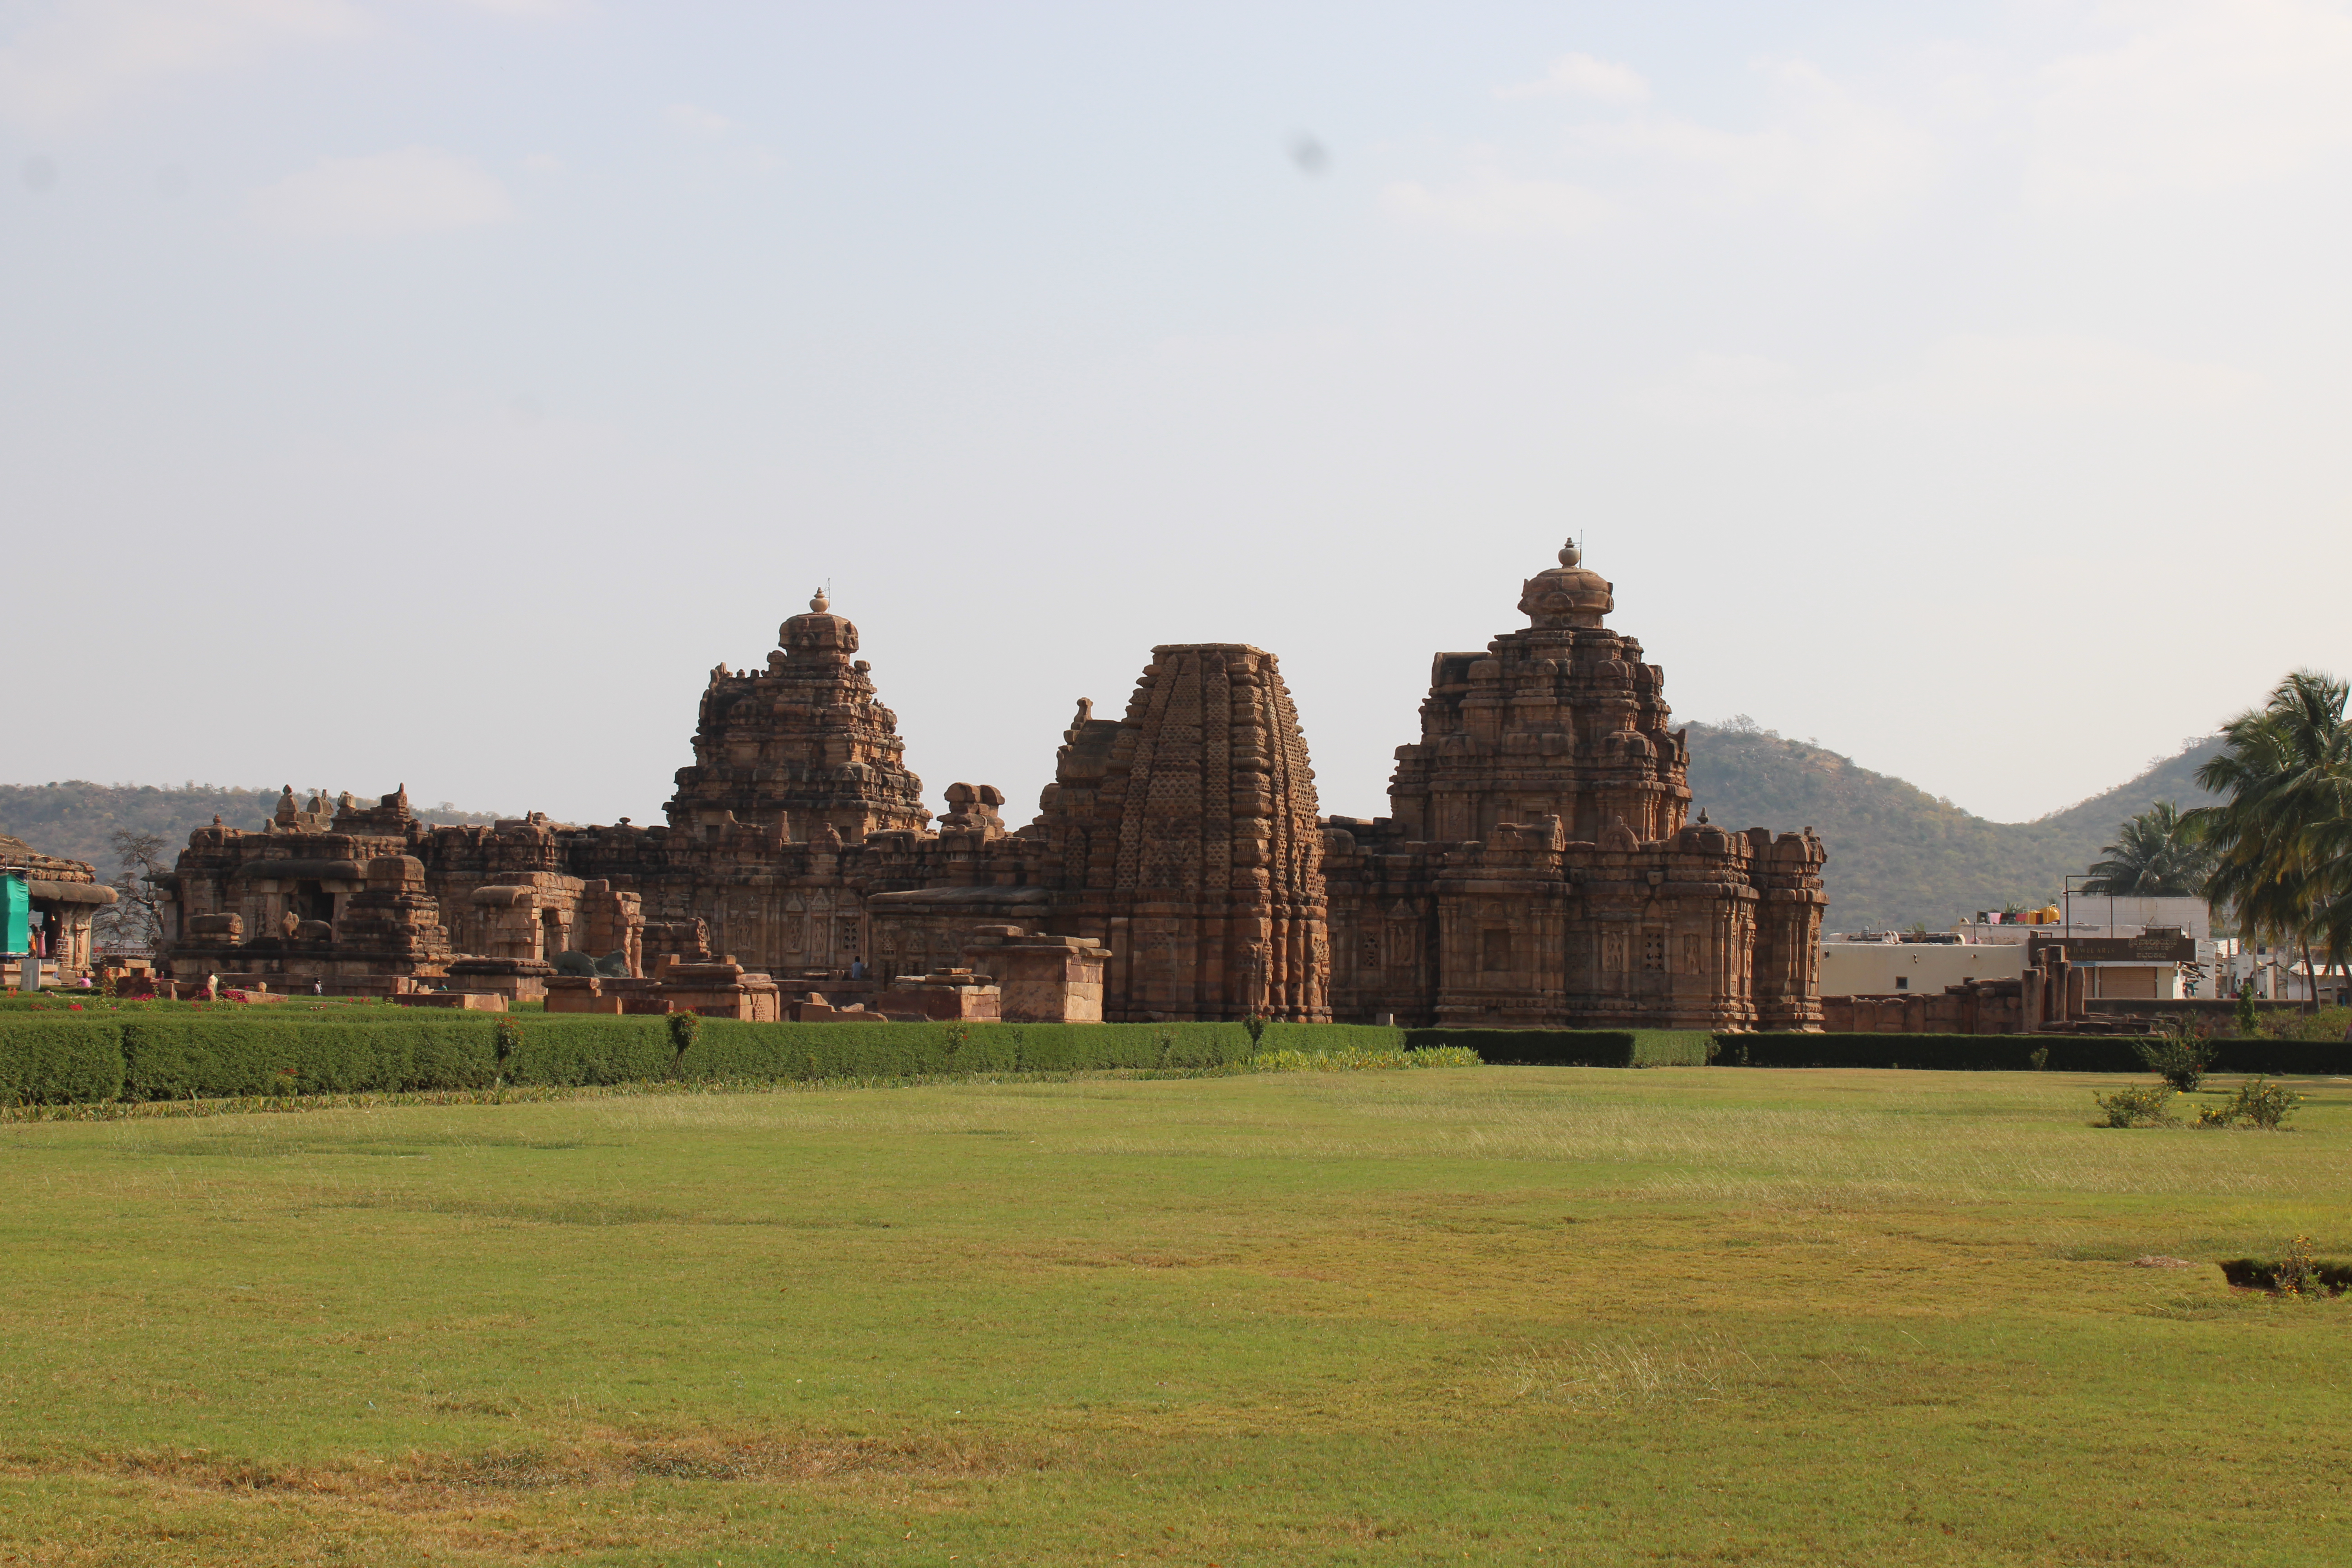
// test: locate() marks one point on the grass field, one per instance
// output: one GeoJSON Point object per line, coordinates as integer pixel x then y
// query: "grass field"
{"type": "Point", "coordinates": [1511, 1315]}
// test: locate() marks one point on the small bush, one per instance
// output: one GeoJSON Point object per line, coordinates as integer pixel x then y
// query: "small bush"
{"type": "Point", "coordinates": [2257, 1103]}
{"type": "Point", "coordinates": [2248, 1021]}
{"type": "Point", "coordinates": [2138, 1106]}
{"type": "Point", "coordinates": [685, 1028]}
{"type": "Point", "coordinates": [2298, 1271]}
{"type": "Point", "coordinates": [2179, 1058]}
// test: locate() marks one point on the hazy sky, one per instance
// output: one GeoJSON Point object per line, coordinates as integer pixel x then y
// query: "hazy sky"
{"type": "Point", "coordinates": [433, 392]}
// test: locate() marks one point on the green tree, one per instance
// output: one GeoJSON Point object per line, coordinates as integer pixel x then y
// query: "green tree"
{"type": "Point", "coordinates": [2157, 854]}
{"type": "Point", "coordinates": [2282, 837]}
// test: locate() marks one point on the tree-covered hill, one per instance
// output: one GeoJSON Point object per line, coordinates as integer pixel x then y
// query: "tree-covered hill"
{"type": "Point", "coordinates": [77, 818]}
{"type": "Point", "coordinates": [1898, 854]}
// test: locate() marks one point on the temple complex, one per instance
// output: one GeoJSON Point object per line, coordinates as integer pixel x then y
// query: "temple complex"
{"type": "Point", "coordinates": [1537, 867]}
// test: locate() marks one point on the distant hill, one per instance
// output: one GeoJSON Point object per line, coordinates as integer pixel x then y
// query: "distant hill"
{"type": "Point", "coordinates": [1898, 854]}
{"type": "Point", "coordinates": [75, 818]}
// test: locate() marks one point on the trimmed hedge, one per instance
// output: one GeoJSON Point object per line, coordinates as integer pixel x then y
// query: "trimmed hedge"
{"type": "Point", "coordinates": [52, 1060]}
{"type": "Point", "coordinates": [1318, 1037]}
{"type": "Point", "coordinates": [2016, 1053]}
{"type": "Point", "coordinates": [2297, 1058]}
{"type": "Point", "coordinates": [80, 1058]}
{"type": "Point", "coordinates": [1575, 1048]}
{"type": "Point", "coordinates": [1981, 1053]}
{"type": "Point", "coordinates": [727, 1049]}
{"type": "Point", "coordinates": [213, 1056]}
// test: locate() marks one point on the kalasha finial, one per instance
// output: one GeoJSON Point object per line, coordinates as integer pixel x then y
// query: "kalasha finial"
{"type": "Point", "coordinates": [820, 604]}
{"type": "Point", "coordinates": [1570, 554]}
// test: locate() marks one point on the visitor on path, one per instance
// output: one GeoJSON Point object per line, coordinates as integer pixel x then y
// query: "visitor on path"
{"type": "Point", "coordinates": [858, 968]}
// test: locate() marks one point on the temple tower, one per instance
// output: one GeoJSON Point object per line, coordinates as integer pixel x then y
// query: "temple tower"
{"type": "Point", "coordinates": [1538, 870]}
{"type": "Point", "coordinates": [798, 747]}
{"type": "Point", "coordinates": [1560, 720]}
{"type": "Point", "coordinates": [1185, 839]}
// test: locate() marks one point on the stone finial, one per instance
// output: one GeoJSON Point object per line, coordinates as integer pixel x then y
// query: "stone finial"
{"type": "Point", "coordinates": [821, 602]}
{"type": "Point", "coordinates": [1572, 554]}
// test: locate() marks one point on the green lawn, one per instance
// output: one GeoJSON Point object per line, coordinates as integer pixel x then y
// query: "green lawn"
{"type": "Point", "coordinates": [1497, 1314]}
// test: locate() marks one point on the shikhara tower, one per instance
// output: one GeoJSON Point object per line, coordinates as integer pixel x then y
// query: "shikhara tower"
{"type": "Point", "coordinates": [1538, 866]}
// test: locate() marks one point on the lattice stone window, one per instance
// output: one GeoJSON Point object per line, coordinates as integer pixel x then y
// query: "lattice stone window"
{"type": "Point", "coordinates": [1653, 950]}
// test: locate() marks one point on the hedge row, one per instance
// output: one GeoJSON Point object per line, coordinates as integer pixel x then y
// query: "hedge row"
{"type": "Point", "coordinates": [59, 1060]}
{"type": "Point", "coordinates": [2017, 1053]}
{"type": "Point", "coordinates": [52, 1059]}
{"type": "Point", "coordinates": [210, 1054]}
{"type": "Point", "coordinates": [599, 1049]}
{"type": "Point", "coordinates": [210, 1057]}
{"type": "Point", "coordinates": [1575, 1048]}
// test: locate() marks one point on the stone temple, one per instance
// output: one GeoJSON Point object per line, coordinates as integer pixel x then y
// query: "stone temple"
{"type": "Point", "coordinates": [1536, 867]}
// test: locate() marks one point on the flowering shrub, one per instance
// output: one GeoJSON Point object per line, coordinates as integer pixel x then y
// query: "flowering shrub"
{"type": "Point", "coordinates": [2141, 1105]}
{"type": "Point", "coordinates": [2257, 1103]}
{"type": "Point", "coordinates": [2298, 1271]}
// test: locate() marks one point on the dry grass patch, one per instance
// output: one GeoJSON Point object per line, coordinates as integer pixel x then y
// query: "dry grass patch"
{"type": "Point", "coordinates": [1613, 1374]}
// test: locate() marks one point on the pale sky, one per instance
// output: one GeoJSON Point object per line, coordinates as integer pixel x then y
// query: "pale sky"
{"type": "Point", "coordinates": [433, 392]}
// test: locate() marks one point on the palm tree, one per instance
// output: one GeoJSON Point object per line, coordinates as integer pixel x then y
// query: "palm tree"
{"type": "Point", "coordinates": [2158, 855]}
{"type": "Point", "coordinates": [2282, 840]}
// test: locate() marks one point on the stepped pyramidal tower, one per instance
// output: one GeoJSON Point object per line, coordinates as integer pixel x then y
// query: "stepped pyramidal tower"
{"type": "Point", "coordinates": [804, 745]}
{"type": "Point", "coordinates": [1538, 867]}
